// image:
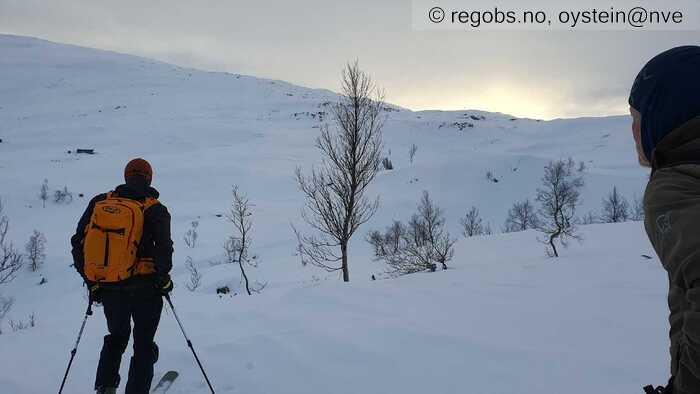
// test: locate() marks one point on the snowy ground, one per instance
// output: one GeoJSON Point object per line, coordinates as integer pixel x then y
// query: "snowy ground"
{"type": "Point", "coordinates": [504, 319]}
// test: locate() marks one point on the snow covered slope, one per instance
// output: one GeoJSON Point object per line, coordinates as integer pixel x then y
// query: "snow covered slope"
{"type": "Point", "coordinates": [504, 320]}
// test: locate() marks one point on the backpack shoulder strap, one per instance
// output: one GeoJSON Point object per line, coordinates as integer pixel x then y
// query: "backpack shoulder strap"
{"type": "Point", "coordinates": [145, 204]}
{"type": "Point", "coordinates": [111, 194]}
{"type": "Point", "coordinates": [149, 202]}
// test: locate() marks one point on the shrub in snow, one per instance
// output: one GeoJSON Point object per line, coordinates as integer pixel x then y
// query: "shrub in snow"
{"type": "Point", "coordinates": [412, 153]}
{"type": "Point", "coordinates": [191, 235]}
{"type": "Point", "coordinates": [63, 196]}
{"type": "Point", "coordinates": [491, 177]}
{"type": "Point", "coordinates": [23, 325]}
{"type": "Point", "coordinates": [195, 275]}
{"type": "Point", "coordinates": [589, 218]}
{"type": "Point", "coordinates": [223, 290]}
{"type": "Point", "coordinates": [473, 225]}
{"type": "Point", "coordinates": [10, 260]}
{"type": "Point", "coordinates": [521, 216]}
{"type": "Point", "coordinates": [36, 250]}
{"type": "Point", "coordinates": [387, 164]}
{"type": "Point", "coordinates": [44, 192]}
{"type": "Point", "coordinates": [559, 196]}
{"type": "Point", "coordinates": [420, 245]}
{"type": "Point", "coordinates": [5, 306]}
{"type": "Point", "coordinates": [396, 249]}
{"type": "Point", "coordinates": [638, 210]}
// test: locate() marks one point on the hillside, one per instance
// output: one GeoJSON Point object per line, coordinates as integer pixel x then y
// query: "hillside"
{"type": "Point", "coordinates": [505, 319]}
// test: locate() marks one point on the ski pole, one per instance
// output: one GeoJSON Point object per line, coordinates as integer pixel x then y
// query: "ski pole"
{"type": "Point", "coordinates": [77, 342]}
{"type": "Point", "coordinates": [189, 343]}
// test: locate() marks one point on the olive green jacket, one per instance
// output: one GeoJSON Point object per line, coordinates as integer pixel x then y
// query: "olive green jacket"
{"type": "Point", "coordinates": [672, 222]}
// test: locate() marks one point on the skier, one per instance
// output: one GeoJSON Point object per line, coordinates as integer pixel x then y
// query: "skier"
{"type": "Point", "coordinates": [123, 250]}
{"type": "Point", "coordinates": [665, 107]}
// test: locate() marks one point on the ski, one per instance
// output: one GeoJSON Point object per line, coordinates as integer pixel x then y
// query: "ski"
{"type": "Point", "coordinates": [165, 382]}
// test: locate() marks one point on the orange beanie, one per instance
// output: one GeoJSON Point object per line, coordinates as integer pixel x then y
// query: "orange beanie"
{"type": "Point", "coordinates": [139, 167]}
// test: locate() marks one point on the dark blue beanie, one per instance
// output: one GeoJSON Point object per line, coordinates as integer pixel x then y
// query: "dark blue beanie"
{"type": "Point", "coordinates": [667, 94]}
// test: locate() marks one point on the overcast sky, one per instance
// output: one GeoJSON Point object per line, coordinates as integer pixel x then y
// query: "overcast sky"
{"type": "Point", "coordinates": [306, 42]}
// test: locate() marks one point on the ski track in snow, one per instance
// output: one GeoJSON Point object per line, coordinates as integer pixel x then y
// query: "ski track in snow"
{"type": "Point", "coordinates": [504, 319]}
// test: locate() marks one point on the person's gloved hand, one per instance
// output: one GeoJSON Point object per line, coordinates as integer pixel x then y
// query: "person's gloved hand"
{"type": "Point", "coordinates": [163, 284]}
{"type": "Point", "coordinates": [94, 292]}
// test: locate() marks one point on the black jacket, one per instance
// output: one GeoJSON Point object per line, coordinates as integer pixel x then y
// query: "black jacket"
{"type": "Point", "coordinates": [155, 242]}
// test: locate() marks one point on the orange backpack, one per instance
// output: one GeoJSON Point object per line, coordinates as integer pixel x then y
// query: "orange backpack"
{"type": "Point", "coordinates": [112, 240]}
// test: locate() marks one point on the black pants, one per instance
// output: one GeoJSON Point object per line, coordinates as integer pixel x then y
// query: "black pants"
{"type": "Point", "coordinates": [144, 306]}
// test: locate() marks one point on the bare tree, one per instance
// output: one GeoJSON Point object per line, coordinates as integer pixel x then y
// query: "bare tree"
{"type": "Point", "coordinates": [412, 152]}
{"type": "Point", "coordinates": [44, 193]}
{"type": "Point", "coordinates": [195, 275]}
{"type": "Point", "coordinates": [473, 225]}
{"type": "Point", "coordinates": [191, 235]}
{"type": "Point", "coordinates": [522, 216]}
{"type": "Point", "coordinates": [559, 197]}
{"type": "Point", "coordinates": [616, 208]}
{"type": "Point", "coordinates": [10, 263]}
{"type": "Point", "coordinates": [237, 247]}
{"type": "Point", "coordinates": [10, 259]}
{"type": "Point", "coordinates": [429, 222]}
{"type": "Point", "coordinates": [36, 250]}
{"type": "Point", "coordinates": [336, 202]}
{"type": "Point", "coordinates": [419, 246]}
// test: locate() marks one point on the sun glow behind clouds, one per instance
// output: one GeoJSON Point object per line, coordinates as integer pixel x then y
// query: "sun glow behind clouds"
{"type": "Point", "coordinates": [508, 98]}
